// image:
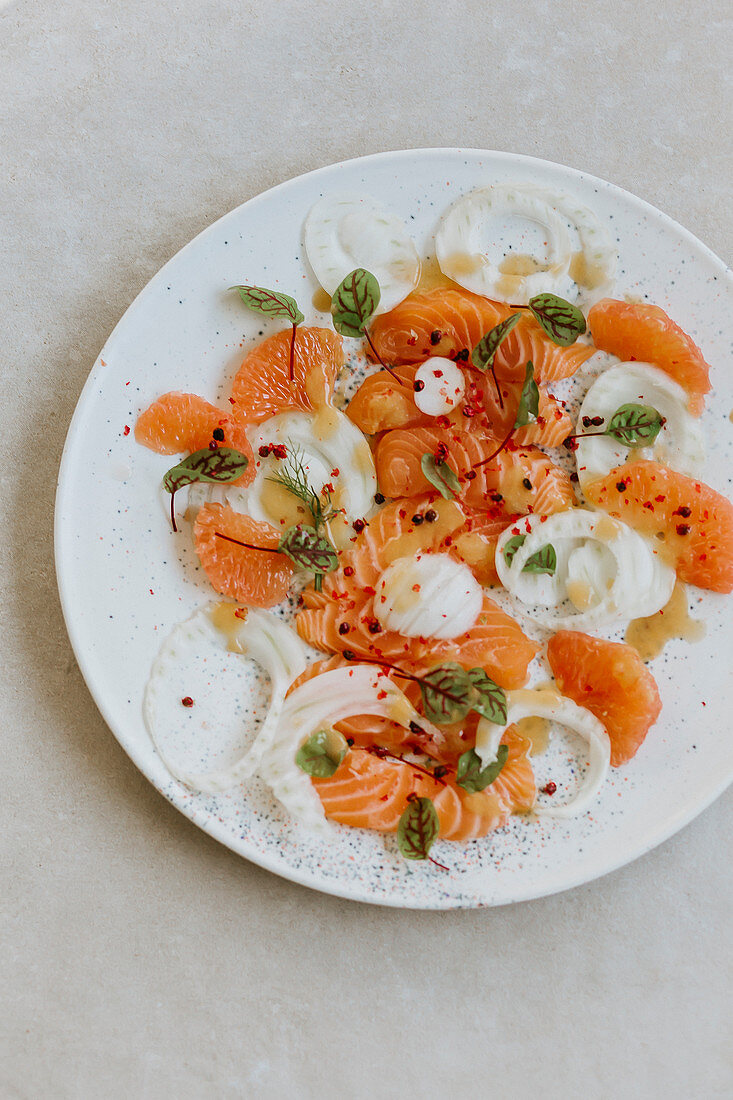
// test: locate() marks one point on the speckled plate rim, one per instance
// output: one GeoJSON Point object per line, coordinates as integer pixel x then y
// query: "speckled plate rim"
{"type": "Point", "coordinates": [684, 814]}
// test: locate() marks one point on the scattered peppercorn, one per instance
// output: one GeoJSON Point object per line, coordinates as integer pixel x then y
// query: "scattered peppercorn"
{"type": "Point", "coordinates": [349, 655]}
{"type": "Point", "coordinates": [417, 519]}
{"type": "Point", "coordinates": [359, 525]}
{"type": "Point", "coordinates": [430, 516]}
{"type": "Point", "coordinates": [526, 483]}
{"type": "Point", "coordinates": [468, 411]}
{"type": "Point", "coordinates": [621, 486]}
{"type": "Point", "coordinates": [683, 511]}
{"type": "Point", "coordinates": [187, 701]}
{"type": "Point", "coordinates": [462, 355]}
{"type": "Point", "coordinates": [415, 728]}
{"type": "Point", "coordinates": [213, 446]}
{"type": "Point", "coordinates": [440, 771]}
{"type": "Point", "coordinates": [418, 385]}
{"type": "Point", "coordinates": [435, 336]}
{"type": "Point", "coordinates": [549, 788]}
{"type": "Point", "coordinates": [374, 627]}
{"type": "Point", "coordinates": [344, 628]}
{"type": "Point", "coordinates": [218, 434]}
{"type": "Point", "coordinates": [348, 571]}
{"type": "Point", "coordinates": [264, 451]}
{"type": "Point", "coordinates": [279, 450]}
{"type": "Point", "coordinates": [470, 475]}
{"type": "Point", "coordinates": [496, 497]}
{"type": "Point", "coordinates": [379, 498]}
{"type": "Point", "coordinates": [683, 528]}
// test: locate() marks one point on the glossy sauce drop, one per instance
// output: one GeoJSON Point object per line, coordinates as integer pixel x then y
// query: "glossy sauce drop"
{"type": "Point", "coordinates": [537, 732]}
{"type": "Point", "coordinates": [322, 300]}
{"type": "Point", "coordinates": [649, 636]}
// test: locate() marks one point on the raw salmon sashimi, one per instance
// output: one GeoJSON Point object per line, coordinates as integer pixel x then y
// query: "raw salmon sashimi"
{"type": "Point", "coordinates": [612, 682]}
{"type": "Point", "coordinates": [381, 403]}
{"type": "Point", "coordinates": [526, 478]}
{"type": "Point", "coordinates": [645, 332]}
{"type": "Point", "coordinates": [262, 386]}
{"type": "Point", "coordinates": [692, 521]}
{"type": "Point", "coordinates": [184, 422]}
{"type": "Point", "coordinates": [369, 792]}
{"type": "Point", "coordinates": [342, 618]}
{"type": "Point", "coordinates": [256, 574]}
{"type": "Point", "coordinates": [475, 543]}
{"type": "Point", "coordinates": [448, 322]}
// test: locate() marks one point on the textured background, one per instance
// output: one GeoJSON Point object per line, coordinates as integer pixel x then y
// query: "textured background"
{"type": "Point", "coordinates": [140, 958]}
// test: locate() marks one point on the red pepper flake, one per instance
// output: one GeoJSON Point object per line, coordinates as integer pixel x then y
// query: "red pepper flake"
{"type": "Point", "coordinates": [335, 472]}
{"type": "Point", "coordinates": [241, 612]}
{"type": "Point", "coordinates": [683, 528]}
{"type": "Point", "coordinates": [416, 588]}
{"type": "Point", "coordinates": [187, 701]}
{"type": "Point", "coordinates": [381, 695]}
{"type": "Point", "coordinates": [411, 341]}
{"type": "Point", "coordinates": [442, 422]}
{"type": "Point", "coordinates": [441, 451]}
{"type": "Point", "coordinates": [462, 356]}
{"type": "Point", "coordinates": [213, 446]}
{"type": "Point", "coordinates": [438, 373]}
{"type": "Point", "coordinates": [369, 590]}
{"type": "Point", "coordinates": [279, 450]}
{"type": "Point", "coordinates": [448, 541]}
{"type": "Point", "coordinates": [359, 525]}
{"type": "Point", "coordinates": [660, 498]}
{"type": "Point", "coordinates": [328, 488]}
{"type": "Point", "coordinates": [470, 475]}
{"type": "Point", "coordinates": [549, 788]}
{"type": "Point", "coordinates": [126, 430]}
{"type": "Point", "coordinates": [402, 513]}
{"type": "Point", "coordinates": [648, 504]}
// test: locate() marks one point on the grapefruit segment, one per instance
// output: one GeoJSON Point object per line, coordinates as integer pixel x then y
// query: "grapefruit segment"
{"type": "Point", "coordinates": [612, 682]}
{"type": "Point", "coordinates": [645, 332]}
{"type": "Point", "coordinates": [255, 577]}
{"type": "Point", "coordinates": [262, 385]}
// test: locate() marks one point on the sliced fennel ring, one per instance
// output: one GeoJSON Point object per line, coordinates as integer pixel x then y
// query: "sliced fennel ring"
{"type": "Point", "coordinates": [529, 703]}
{"type": "Point", "coordinates": [428, 596]}
{"type": "Point", "coordinates": [679, 444]}
{"type": "Point", "coordinates": [605, 571]}
{"type": "Point", "coordinates": [582, 268]}
{"type": "Point", "coordinates": [343, 232]}
{"type": "Point", "coordinates": [460, 243]}
{"type": "Point", "coordinates": [191, 666]}
{"type": "Point", "coordinates": [325, 699]}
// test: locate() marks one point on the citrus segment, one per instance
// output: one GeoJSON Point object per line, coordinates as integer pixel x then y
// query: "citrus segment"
{"type": "Point", "coordinates": [258, 577]}
{"type": "Point", "coordinates": [262, 386]}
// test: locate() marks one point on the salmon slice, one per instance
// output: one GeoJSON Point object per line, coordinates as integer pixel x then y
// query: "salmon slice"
{"type": "Point", "coordinates": [262, 386]}
{"type": "Point", "coordinates": [526, 479]}
{"type": "Point", "coordinates": [475, 543]}
{"type": "Point", "coordinates": [257, 577]}
{"type": "Point", "coordinates": [342, 617]}
{"type": "Point", "coordinates": [691, 521]}
{"type": "Point", "coordinates": [372, 793]}
{"type": "Point", "coordinates": [381, 402]}
{"type": "Point", "coordinates": [612, 682]}
{"type": "Point", "coordinates": [450, 322]}
{"type": "Point", "coordinates": [180, 423]}
{"type": "Point", "coordinates": [645, 332]}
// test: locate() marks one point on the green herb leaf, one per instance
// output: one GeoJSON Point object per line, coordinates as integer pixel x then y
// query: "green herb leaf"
{"type": "Point", "coordinates": [308, 549]}
{"type": "Point", "coordinates": [562, 321]}
{"type": "Point", "coordinates": [354, 302]}
{"type": "Point", "coordinates": [447, 693]}
{"type": "Point", "coordinates": [632, 424]}
{"type": "Point", "coordinates": [544, 561]}
{"type": "Point", "coordinates": [488, 699]}
{"type": "Point", "coordinates": [529, 399]}
{"type": "Point", "coordinates": [511, 546]}
{"type": "Point", "coordinates": [483, 354]}
{"type": "Point", "coordinates": [322, 753]}
{"type": "Point", "coordinates": [472, 777]}
{"type": "Point", "coordinates": [270, 303]}
{"type": "Point", "coordinates": [441, 476]}
{"type": "Point", "coordinates": [223, 464]}
{"type": "Point", "coordinates": [418, 828]}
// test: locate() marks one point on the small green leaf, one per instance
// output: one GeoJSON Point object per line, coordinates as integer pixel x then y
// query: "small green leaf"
{"type": "Point", "coordinates": [632, 424]}
{"type": "Point", "coordinates": [511, 546]}
{"type": "Point", "coordinates": [489, 699]}
{"type": "Point", "coordinates": [308, 549]}
{"type": "Point", "coordinates": [441, 476]}
{"type": "Point", "coordinates": [222, 465]}
{"type": "Point", "coordinates": [418, 828]}
{"type": "Point", "coordinates": [270, 303]}
{"type": "Point", "coordinates": [529, 399]}
{"type": "Point", "coordinates": [322, 753]}
{"type": "Point", "coordinates": [472, 777]}
{"type": "Point", "coordinates": [544, 561]}
{"type": "Point", "coordinates": [447, 693]}
{"type": "Point", "coordinates": [562, 321]}
{"type": "Point", "coordinates": [354, 302]}
{"type": "Point", "coordinates": [483, 354]}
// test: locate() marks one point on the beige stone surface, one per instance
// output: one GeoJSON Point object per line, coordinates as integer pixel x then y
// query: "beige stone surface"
{"type": "Point", "coordinates": [139, 958]}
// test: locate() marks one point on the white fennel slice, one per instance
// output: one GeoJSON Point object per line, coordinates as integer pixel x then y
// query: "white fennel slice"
{"type": "Point", "coordinates": [320, 702]}
{"type": "Point", "coordinates": [605, 571]}
{"type": "Point", "coordinates": [343, 232]}
{"type": "Point", "coordinates": [559, 710]}
{"type": "Point", "coordinates": [443, 386]}
{"type": "Point", "coordinates": [343, 448]}
{"type": "Point", "coordinates": [211, 745]}
{"type": "Point", "coordinates": [580, 260]}
{"type": "Point", "coordinates": [428, 596]}
{"type": "Point", "coordinates": [680, 443]}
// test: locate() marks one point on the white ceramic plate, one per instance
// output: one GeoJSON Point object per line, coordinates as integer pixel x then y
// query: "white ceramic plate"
{"type": "Point", "coordinates": [125, 582]}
